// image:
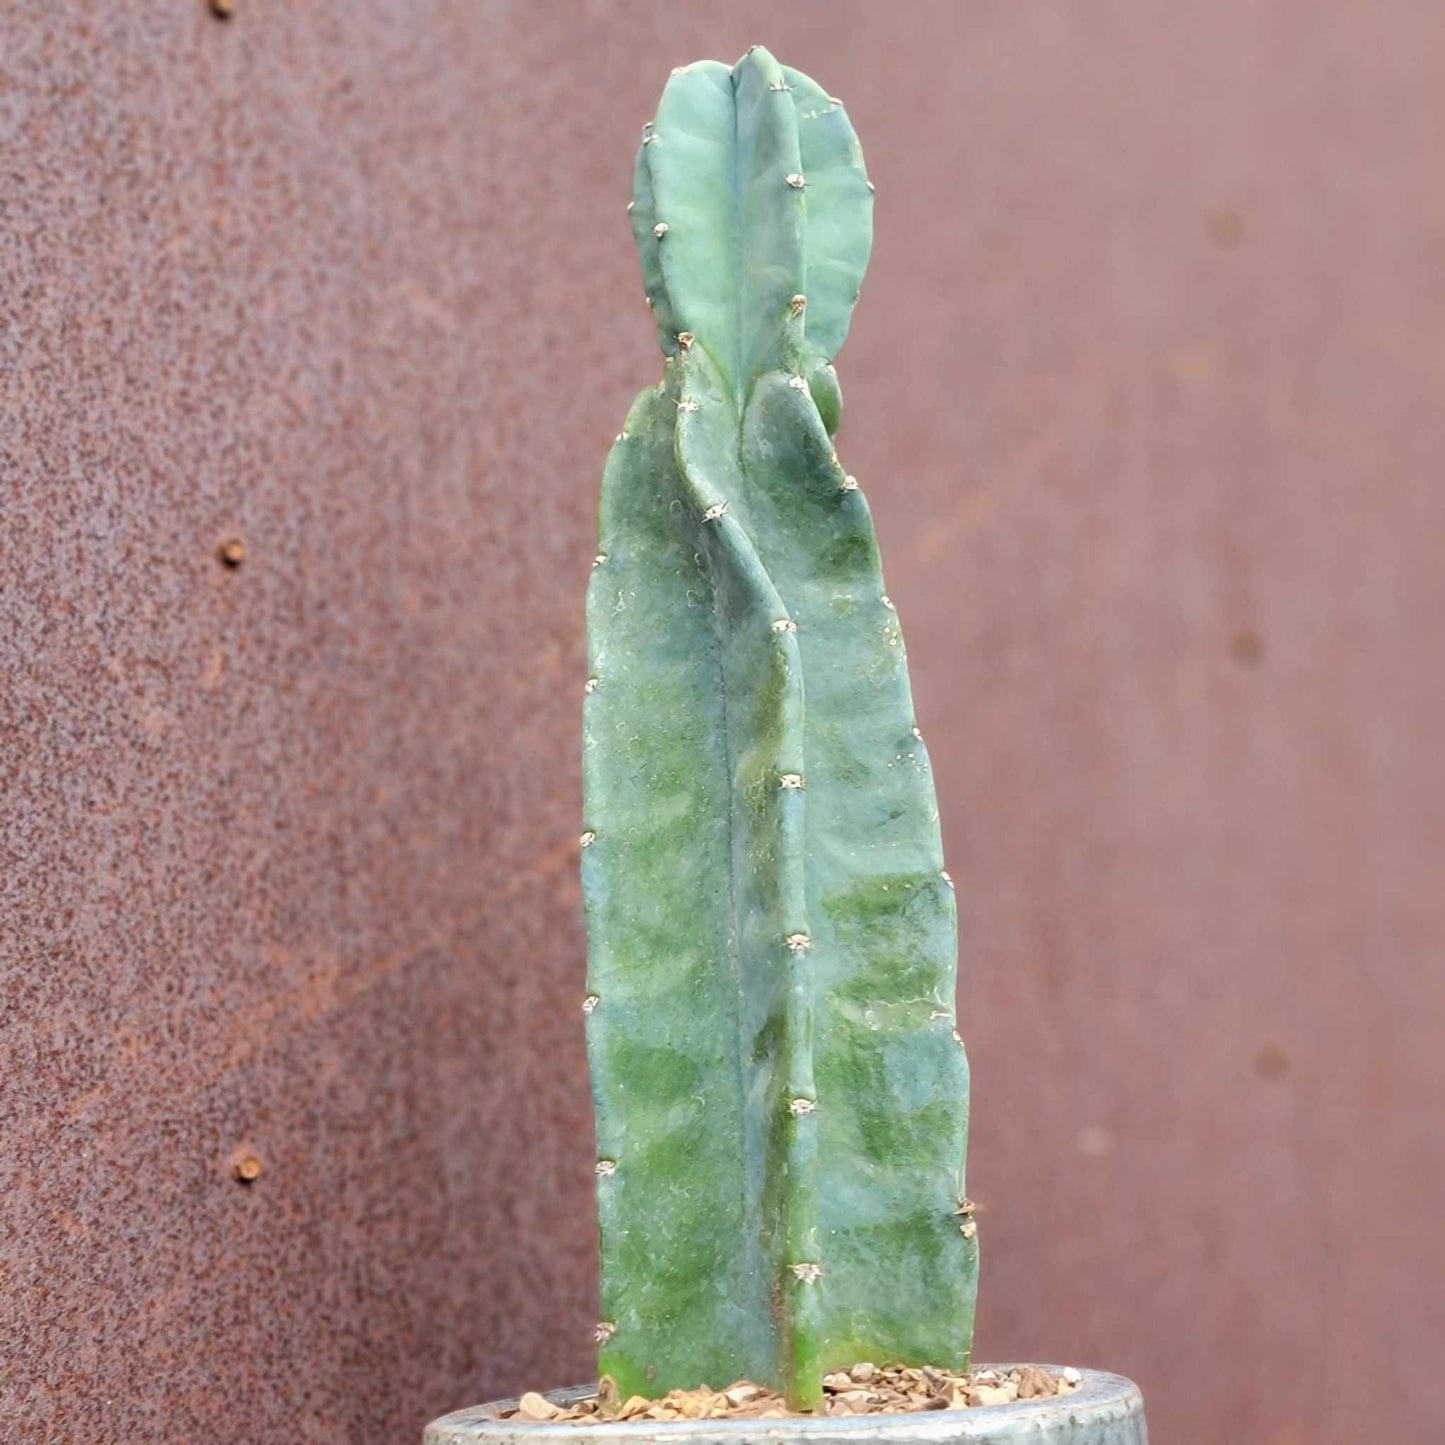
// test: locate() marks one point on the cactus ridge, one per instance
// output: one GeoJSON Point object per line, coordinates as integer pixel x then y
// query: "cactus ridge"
{"type": "Point", "coordinates": [780, 1096]}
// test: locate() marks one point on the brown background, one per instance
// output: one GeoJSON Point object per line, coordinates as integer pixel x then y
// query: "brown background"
{"type": "Point", "coordinates": [1146, 393]}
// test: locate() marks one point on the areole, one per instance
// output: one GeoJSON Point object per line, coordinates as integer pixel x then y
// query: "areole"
{"type": "Point", "coordinates": [1105, 1410]}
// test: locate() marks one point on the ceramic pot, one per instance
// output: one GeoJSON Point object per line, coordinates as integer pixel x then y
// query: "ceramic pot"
{"type": "Point", "coordinates": [1104, 1410]}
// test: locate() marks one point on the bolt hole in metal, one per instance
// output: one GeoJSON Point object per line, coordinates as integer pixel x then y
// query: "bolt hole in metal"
{"type": "Point", "coordinates": [246, 1166]}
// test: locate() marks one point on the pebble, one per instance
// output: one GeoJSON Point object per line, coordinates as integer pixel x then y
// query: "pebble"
{"type": "Point", "coordinates": [993, 1395]}
{"type": "Point", "coordinates": [1034, 1383]}
{"type": "Point", "coordinates": [743, 1393]}
{"type": "Point", "coordinates": [864, 1389]}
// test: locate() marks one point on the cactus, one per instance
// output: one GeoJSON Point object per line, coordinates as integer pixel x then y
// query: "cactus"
{"type": "Point", "coordinates": [781, 1095]}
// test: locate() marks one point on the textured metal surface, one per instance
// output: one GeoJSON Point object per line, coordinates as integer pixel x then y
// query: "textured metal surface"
{"type": "Point", "coordinates": [1144, 388]}
{"type": "Point", "coordinates": [1104, 1410]}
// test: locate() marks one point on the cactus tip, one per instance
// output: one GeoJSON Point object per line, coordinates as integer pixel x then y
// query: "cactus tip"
{"type": "Point", "coordinates": [802, 1106]}
{"type": "Point", "coordinates": [606, 1167]}
{"type": "Point", "coordinates": [660, 229]}
{"type": "Point", "coordinates": [587, 839]}
{"type": "Point", "coordinates": [785, 624]}
{"type": "Point", "coordinates": [808, 1272]}
{"type": "Point", "coordinates": [798, 941]}
{"type": "Point", "coordinates": [797, 305]}
{"type": "Point", "coordinates": [685, 339]}
{"type": "Point", "coordinates": [599, 559]}
{"type": "Point", "coordinates": [798, 383]}
{"type": "Point", "coordinates": [796, 179]}
{"type": "Point", "coordinates": [590, 1002]}
{"type": "Point", "coordinates": [850, 484]}
{"type": "Point", "coordinates": [604, 1331]}
{"type": "Point", "coordinates": [715, 511]}
{"type": "Point", "coordinates": [790, 780]}
{"type": "Point", "coordinates": [590, 686]}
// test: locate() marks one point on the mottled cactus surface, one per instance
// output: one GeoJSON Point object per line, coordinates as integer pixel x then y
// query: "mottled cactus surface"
{"type": "Point", "coordinates": [781, 1094]}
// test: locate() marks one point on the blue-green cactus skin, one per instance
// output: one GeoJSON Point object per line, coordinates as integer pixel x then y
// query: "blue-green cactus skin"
{"type": "Point", "coordinates": [781, 1095]}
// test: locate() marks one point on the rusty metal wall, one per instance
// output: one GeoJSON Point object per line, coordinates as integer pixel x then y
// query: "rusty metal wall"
{"type": "Point", "coordinates": [1145, 390]}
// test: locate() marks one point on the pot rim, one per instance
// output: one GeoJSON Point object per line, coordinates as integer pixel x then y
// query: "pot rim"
{"type": "Point", "coordinates": [1100, 1396]}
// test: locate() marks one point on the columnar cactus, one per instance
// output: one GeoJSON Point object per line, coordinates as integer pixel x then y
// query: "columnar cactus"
{"type": "Point", "coordinates": [781, 1095]}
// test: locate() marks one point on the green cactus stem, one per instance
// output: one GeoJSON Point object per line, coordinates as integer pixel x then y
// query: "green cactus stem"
{"type": "Point", "coordinates": [781, 1095]}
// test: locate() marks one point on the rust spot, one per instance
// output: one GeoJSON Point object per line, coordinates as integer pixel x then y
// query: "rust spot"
{"type": "Point", "coordinates": [232, 552]}
{"type": "Point", "coordinates": [1271, 1063]}
{"type": "Point", "coordinates": [1246, 647]}
{"type": "Point", "coordinates": [246, 1166]}
{"type": "Point", "coordinates": [1225, 229]}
